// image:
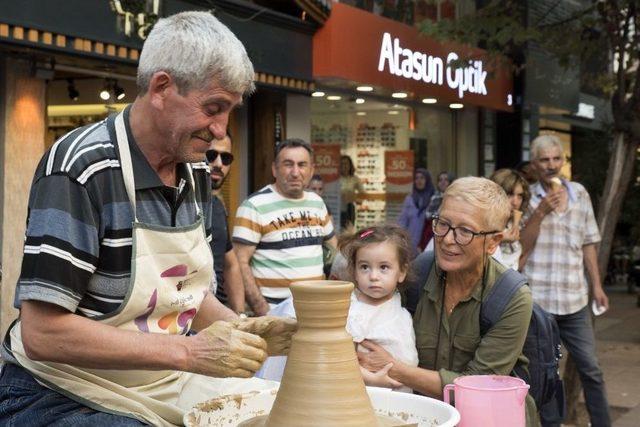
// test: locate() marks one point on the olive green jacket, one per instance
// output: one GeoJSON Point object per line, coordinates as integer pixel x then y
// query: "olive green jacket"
{"type": "Point", "coordinates": [461, 350]}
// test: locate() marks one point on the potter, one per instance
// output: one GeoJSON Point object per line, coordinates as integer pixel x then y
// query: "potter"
{"type": "Point", "coordinates": [117, 262]}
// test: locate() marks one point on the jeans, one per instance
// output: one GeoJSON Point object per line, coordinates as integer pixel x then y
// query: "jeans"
{"type": "Point", "coordinates": [24, 402]}
{"type": "Point", "coordinates": [576, 332]}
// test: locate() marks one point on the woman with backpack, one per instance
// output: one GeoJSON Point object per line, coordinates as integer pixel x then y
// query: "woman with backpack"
{"type": "Point", "coordinates": [448, 307]}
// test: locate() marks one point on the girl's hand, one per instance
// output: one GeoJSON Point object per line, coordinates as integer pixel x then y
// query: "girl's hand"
{"type": "Point", "coordinates": [380, 378]}
{"type": "Point", "coordinates": [376, 358]}
{"type": "Point", "coordinates": [511, 234]}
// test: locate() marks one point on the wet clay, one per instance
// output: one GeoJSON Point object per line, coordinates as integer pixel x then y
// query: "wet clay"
{"type": "Point", "coordinates": [276, 331]}
{"type": "Point", "coordinates": [322, 385]}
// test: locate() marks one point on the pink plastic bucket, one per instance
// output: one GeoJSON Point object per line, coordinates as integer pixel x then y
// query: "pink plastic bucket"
{"type": "Point", "coordinates": [489, 400]}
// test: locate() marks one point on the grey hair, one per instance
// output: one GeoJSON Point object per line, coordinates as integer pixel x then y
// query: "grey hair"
{"type": "Point", "coordinates": [485, 195]}
{"type": "Point", "coordinates": [545, 141]}
{"type": "Point", "coordinates": [195, 48]}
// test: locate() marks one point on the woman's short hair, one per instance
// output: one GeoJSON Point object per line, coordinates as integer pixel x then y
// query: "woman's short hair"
{"type": "Point", "coordinates": [508, 179]}
{"type": "Point", "coordinates": [542, 142]}
{"type": "Point", "coordinates": [485, 195]}
{"type": "Point", "coordinates": [195, 48]}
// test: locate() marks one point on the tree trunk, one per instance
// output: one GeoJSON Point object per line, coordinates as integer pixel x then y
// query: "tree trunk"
{"type": "Point", "coordinates": [619, 173]}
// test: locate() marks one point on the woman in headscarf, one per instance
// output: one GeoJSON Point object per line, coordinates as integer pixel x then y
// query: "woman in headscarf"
{"type": "Point", "coordinates": [412, 216]}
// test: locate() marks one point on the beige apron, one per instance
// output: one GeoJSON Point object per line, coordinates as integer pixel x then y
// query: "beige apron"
{"type": "Point", "coordinates": [171, 270]}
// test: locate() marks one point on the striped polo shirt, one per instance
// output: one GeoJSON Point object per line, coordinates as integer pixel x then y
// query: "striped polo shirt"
{"type": "Point", "coordinates": [288, 235]}
{"type": "Point", "coordinates": [77, 251]}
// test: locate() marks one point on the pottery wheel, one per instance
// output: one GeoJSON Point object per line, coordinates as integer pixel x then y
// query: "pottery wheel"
{"type": "Point", "coordinates": [383, 421]}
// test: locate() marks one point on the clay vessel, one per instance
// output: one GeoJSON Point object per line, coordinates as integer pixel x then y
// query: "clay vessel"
{"type": "Point", "coordinates": [322, 385]}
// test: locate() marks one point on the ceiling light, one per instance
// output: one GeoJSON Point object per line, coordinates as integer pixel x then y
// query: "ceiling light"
{"type": "Point", "coordinates": [361, 113]}
{"type": "Point", "coordinates": [394, 112]}
{"type": "Point", "coordinates": [72, 91]}
{"type": "Point", "coordinates": [429, 100]}
{"type": "Point", "coordinates": [360, 101]}
{"type": "Point", "coordinates": [317, 94]}
{"type": "Point", "coordinates": [104, 93]}
{"type": "Point", "coordinates": [399, 95]}
{"type": "Point", "coordinates": [334, 98]}
{"type": "Point", "coordinates": [456, 106]}
{"type": "Point", "coordinates": [118, 92]}
{"type": "Point", "coordinates": [364, 89]}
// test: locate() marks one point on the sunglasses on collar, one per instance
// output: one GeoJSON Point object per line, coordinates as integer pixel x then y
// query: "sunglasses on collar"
{"type": "Point", "coordinates": [225, 158]}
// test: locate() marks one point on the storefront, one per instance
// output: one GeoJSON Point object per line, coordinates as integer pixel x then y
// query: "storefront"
{"type": "Point", "coordinates": [383, 88]}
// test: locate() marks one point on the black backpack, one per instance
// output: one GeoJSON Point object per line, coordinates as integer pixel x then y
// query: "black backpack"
{"type": "Point", "coordinates": [541, 347]}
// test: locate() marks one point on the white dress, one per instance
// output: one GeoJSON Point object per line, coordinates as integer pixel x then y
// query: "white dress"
{"type": "Point", "coordinates": [387, 324]}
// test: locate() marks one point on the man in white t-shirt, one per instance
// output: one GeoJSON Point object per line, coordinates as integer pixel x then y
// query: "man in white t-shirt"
{"type": "Point", "coordinates": [279, 230]}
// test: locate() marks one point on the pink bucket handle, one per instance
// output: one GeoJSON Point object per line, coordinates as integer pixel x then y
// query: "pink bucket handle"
{"type": "Point", "coordinates": [447, 392]}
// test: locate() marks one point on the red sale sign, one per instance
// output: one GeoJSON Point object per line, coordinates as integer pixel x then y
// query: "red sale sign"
{"type": "Point", "coordinates": [398, 169]}
{"type": "Point", "coordinates": [327, 161]}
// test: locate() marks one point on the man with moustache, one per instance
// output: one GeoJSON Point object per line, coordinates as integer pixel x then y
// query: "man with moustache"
{"type": "Point", "coordinates": [559, 242]}
{"type": "Point", "coordinates": [280, 230]}
{"type": "Point", "coordinates": [117, 264]}
{"type": "Point", "coordinates": [229, 289]}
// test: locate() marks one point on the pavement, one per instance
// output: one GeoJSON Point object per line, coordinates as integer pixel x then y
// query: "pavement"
{"type": "Point", "coordinates": [618, 348]}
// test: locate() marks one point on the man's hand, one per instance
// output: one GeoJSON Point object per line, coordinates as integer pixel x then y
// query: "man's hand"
{"type": "Point", "coordinates": [552, 201]}
{"type": "Point", "coordinates": [276, 331]}
{"type": "Point", "coordinates": [600, 297]}
{"type": "Point", "coordinates": [222, 350]}
{"type": "Point", "coordinates": [376, 358]}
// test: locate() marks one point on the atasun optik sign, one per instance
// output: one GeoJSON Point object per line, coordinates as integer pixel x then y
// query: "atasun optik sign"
{"type": "Point", "coordinates": [430, 69]}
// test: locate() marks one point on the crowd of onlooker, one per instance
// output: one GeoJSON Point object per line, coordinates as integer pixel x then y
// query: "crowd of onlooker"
{"type": "Point", "coordinates": [469, 232]}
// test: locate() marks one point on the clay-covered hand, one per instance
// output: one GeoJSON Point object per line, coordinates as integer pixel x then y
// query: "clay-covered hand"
{"type": "Point", "coordinates": [376, 358]}
{"type": "Point", "coordinates": [221, 350]}
{"type": "Point", "coordinates": [276, 331]}
{"type": "Point", "coordinates": [380, 378]}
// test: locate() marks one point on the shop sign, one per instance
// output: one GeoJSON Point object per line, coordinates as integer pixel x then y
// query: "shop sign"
{"type": "Point", "coordinates": [355, 47]}
{"type": "Point", "coordinates": [327, 164]}
{"type": "Point", "coordinates": [398, 170]}
{"type": "Point", "coordinates": [416, 65]}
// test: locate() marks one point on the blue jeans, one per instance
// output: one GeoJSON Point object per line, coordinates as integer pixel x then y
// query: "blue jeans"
{"type": "Point", "coordinates": [576, 332]}
{"type": "Point", "coordinates": [24, 402]}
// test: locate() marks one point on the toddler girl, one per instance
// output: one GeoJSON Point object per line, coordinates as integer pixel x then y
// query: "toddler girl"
{"type": "Point", "coordinates": [378, 262]}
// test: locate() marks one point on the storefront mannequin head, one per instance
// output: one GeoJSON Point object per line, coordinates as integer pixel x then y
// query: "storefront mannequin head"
{"type": "Point", "coordinates": [292, 167]}
{"type": "Point", "coordinates": [317, 185]}
{"type": "Point", "coordinates": [547, 158]}
{"type": "Point", "coordinates": [220, 159]}
{"type": "Point", "coordinates": [192, 72]}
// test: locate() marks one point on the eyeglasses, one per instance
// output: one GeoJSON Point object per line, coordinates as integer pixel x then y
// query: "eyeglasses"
{"type": "Point", "coordinates": [462, 235]}
{"type": "Point", "coordinates": [225, 158]}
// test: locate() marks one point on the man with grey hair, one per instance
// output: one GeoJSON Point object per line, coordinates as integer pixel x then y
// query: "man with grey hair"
{"type": "Point", "coordinates": [117, 260]}
{"type": "Point", "coordinates": [559, 240]}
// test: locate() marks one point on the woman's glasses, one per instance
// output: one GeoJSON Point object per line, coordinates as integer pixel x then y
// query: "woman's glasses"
{"type": "Point", "coordinates": [462, 235]}
{"type": "Point", "coordinates": [225, 158]}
